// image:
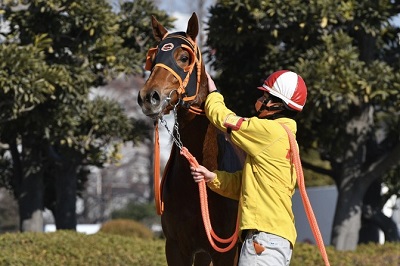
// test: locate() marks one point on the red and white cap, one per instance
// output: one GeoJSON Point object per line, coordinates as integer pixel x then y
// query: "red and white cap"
{"type": "Point", "coordinates": [288, 86]}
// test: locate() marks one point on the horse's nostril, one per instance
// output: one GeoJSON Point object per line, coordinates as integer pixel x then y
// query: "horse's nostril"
{"type": "Point", "coordinates": [154, 98]}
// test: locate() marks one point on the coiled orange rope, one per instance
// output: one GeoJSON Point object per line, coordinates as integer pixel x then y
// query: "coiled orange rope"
{"type": "Point", "coordinates": [205, 213]}
{"type": "Point", "coordinates": [306, 202]}
{"type": "Point", "coordinates": [211, 235]}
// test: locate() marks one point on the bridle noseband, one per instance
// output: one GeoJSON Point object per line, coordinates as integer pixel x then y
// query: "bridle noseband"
{"type": "Point", "coordinates": [188, 77]}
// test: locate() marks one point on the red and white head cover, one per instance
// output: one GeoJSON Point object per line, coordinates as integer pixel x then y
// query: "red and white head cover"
{"type": "Point", "coordinates": [288, 86]}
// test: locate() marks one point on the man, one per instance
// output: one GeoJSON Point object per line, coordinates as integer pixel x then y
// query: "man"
{"type": "Point", "coordinates": [265, 186]}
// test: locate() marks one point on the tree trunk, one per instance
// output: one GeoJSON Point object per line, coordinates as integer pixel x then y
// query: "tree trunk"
{"type": "Point", "coordinates": [350, 183]}
{"type": "Point", "coordinates": [347, 219]}
{"type": "Point", "coordinates": [30, 189]}
{"type": "Point", "coordinates": [386, 224]}
{"type": "Point", "coordinates": [374, 219]}
{"type": "Point", "coordinates": [369, 231]}
{"type": "Point", "coordinates": [66, 185]}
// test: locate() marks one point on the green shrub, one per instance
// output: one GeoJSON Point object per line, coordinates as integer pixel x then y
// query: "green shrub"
{"type": "Point", "coordinates": [365, 255]}
{"type": "Point", "coordinates": [69, 248]}
{"type": "Point", "coordinates": [136, 211]}
{"type": "Point", "coordinates": [126, 227]}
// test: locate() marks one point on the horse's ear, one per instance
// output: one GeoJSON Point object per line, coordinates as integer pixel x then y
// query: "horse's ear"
{"type": "Point", "coordinates": [158, 30]}
{"type": "Point", "coordinates": [193, 27]}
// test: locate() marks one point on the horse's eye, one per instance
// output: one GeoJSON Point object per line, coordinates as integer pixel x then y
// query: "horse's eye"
{"type": "Point", "coordinates": [184, 58]}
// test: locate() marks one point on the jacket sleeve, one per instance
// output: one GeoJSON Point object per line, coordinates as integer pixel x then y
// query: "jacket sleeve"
{"type": "Point", "coordinates": [227, 184]}
{"type": "Point", "coordinates": [245, 132]}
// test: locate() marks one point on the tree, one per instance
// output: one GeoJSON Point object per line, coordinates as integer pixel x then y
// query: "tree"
{"type": "Point", "coordinates": [54, 53]}
{"type": "Point", "coordinates": [22, 91]}
{"type": "Point", "coordinates": [349, 55]}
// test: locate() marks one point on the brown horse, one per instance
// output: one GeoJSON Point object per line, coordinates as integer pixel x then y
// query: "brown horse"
{"type": "Point", "coordinates": [178, 83]}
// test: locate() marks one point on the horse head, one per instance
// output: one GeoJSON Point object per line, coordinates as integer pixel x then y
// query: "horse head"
{"type": "Point", "coordinates": [177, 71]}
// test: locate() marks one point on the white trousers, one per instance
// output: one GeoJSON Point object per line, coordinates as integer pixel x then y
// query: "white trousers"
{"type": "Point", "coordinates": [260, 248]}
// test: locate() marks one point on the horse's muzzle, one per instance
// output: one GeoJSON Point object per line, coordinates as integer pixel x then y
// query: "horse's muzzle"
{"type": "Point", "coordinates": [152, 103]}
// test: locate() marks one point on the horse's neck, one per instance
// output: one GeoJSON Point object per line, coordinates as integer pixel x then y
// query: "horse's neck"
{"type": "Point", "coordinates": [200, 138]}
{"type": "Point", "coordinates": [191, 128]}
{"type": "Point", "coordinates": [197, 134]}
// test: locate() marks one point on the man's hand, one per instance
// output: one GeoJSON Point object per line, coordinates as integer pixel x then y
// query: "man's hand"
{"type": "Point", "coordinates": [201, 173]}
{"type": "Point", "coordinates": [211, 84]}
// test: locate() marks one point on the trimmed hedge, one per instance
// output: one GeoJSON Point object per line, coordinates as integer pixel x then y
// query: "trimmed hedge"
{"type": "Point", "coordinates": [127, 227]}
{"type": "Point", "coordinates": [76, 249]}
{"type": "Point", "coordinates": [365, 255]}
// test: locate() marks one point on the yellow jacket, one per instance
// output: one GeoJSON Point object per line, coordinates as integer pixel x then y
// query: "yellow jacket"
{"type": "Point", "coordinates": [266, 184]}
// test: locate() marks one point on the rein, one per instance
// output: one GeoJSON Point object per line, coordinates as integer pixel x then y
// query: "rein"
{"type": "Point", "coordinates": [165, 50]}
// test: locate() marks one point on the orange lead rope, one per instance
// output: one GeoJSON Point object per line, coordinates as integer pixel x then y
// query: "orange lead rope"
{"type": "Point", "coordinates": [306, 202]}
{"type": "Point", "coordinates": [205, 213]}
{"type": "Point", "coordinates": [211, 235]}
{"type": "Point", "coordinates": [156, 169]}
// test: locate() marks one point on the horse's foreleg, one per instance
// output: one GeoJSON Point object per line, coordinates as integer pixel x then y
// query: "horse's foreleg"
{"type": "Point", "coordinates": [230, 258]}
{"type": "Point", "coordinates": [174, 256]}
{"type": "Point", "coordinates": [202, 259]}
